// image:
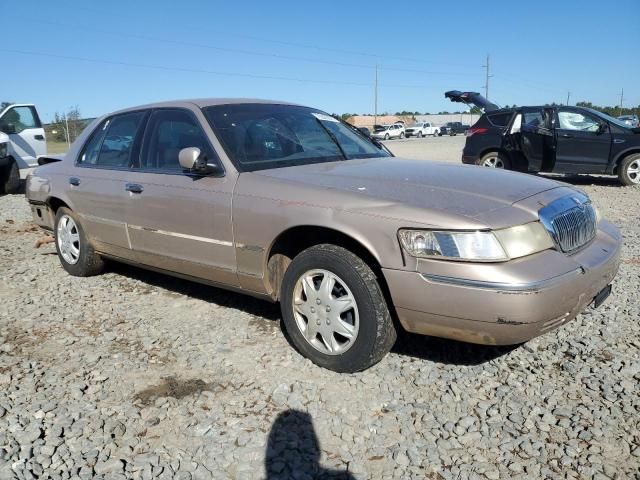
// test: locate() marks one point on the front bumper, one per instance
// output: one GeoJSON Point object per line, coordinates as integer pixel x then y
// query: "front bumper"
{"type": "Point", "coordinates": [509, 303]}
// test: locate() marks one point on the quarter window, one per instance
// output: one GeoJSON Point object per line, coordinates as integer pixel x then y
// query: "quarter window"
{"type": "Point", "coordinates": [171, 130]}
{"type": "Point", "coordinates": [570, 120]}
{"type": "Point", "coordinates": [19, 119]}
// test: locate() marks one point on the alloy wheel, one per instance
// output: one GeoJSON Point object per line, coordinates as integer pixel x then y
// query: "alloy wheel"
{"type": "Point", "coordinates": [325, 311]}
{"type": "Point", "coordinates": [633, 171]}
{"type": "Point", "coordinates": [493, 162]}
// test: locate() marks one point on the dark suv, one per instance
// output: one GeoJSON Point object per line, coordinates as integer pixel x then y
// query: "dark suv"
{"type": "Point", "coordinates": [551, 139]}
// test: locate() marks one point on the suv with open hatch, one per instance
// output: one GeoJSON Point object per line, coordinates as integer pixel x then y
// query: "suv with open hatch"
{"type": "Point", "coordinates": [559, 139]}
{"type": "Point", "coordinates": [289, 204]}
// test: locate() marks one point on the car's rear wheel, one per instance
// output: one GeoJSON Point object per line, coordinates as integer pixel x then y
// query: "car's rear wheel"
{"type": "Point", "coordinates": [401, 135]}
{"type": "Point", "coordinates": [386, 136]}
{"type": "Point", "coordinates": [76, 254]}
{"type": "Point", "coordinates": [494, 160]}
{"type": "Point", "coordinates": [334, 310]}
{"type": "Point", "coordinates": [11, 182]}
{"type": "Point", "coordinates": [629, 170]}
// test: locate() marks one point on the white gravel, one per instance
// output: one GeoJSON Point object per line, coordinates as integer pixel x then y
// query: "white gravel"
{"type": "Point", "coordinates": [136, 375]}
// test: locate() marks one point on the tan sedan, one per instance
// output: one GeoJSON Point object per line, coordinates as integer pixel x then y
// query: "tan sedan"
{"type": "Point", "coordinates": [286, 203]}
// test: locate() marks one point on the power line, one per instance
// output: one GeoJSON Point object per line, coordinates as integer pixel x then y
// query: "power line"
{"type": "Point", "coordinates": [239, 51]}
{"type": "Point", "coordinates": [294, 44]}
{"type": "Point", "coordinates": [198, 70]}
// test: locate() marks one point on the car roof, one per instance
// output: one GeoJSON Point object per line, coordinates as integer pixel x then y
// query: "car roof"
{"type": "Point", "coordinates": [203, 102]}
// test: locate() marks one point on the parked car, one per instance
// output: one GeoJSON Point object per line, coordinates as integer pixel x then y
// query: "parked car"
{"type": "Point", "coordinates": [386, 132]}
{"type": "Point", "coordinates": [420, 129]}
{"type": "Point", "coordinates": [364, 130]}
{"type": "Point", "coordinates": [289, 204]}
{"type": "Point", "coordinates": [22, 140]}
{"type": "Point", "coordinates": [453, 128]}
{"type": "Point", "coordinates": [631, 120]}
{"type": "Point", "coordinates": [560, 139]}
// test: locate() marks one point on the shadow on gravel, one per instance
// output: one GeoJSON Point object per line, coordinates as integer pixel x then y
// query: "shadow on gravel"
{"type": "Point", "coordinates": [293, 449]}
{"type": "Point", "coordinates": [207, 293]}
{"type": "Point", "coordinates": [427, 348]}
{"type": "Point", "coordinates": [441, 350]}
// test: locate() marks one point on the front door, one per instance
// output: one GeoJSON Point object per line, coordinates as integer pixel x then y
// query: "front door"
{"type": "Point", "coordinates": [583, 142]}
{"type": "Point", "coordinates": [26, 134]}
{"type": "Point", "coordinates": [178, 221]}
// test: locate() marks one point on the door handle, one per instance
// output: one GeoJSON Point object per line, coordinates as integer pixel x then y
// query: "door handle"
{"type": "Point", "coordinates": [566, 135]}
{"type": "Point", "coordinates": [39, 137]}
{"type": "Point", "coordinates": [75, 181]}
{"type": "Point", "coordinates": [133, 188]}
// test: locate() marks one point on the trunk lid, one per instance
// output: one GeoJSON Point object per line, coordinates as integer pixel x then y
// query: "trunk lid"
{"type": "Point", "coordinates": [471, 98]}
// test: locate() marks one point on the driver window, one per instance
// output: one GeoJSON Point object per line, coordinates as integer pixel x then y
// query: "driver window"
{"type": "Point", "coordinates": [569, 120]}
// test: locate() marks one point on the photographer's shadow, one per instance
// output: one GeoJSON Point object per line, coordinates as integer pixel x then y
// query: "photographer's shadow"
{"type": "Point", "coordinates": [293, 449]}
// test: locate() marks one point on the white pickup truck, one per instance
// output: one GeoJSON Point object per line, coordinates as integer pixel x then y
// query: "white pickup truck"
{"type": "Point", "coordinates": [420, 129]}
{"type": "Point", "coordinates": [22, 141]}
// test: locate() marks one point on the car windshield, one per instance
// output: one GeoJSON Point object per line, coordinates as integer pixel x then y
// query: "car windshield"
{"type": "Point", "coordinates": [415, 125]}
{"type": "Point", "coordinates": [262, 136]}
{"type": "Point", "coordinates": [609, 118]}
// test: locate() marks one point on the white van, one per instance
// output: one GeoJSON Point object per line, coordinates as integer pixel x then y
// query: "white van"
{"type": "Point", "coordinates": [22, 141]}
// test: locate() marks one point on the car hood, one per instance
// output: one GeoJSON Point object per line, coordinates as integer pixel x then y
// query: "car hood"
{"type": "Point", "coordinates": [410, 189]}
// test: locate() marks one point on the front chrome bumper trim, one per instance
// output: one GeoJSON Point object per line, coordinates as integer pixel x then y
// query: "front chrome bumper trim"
{"type": "Point", "coordinates": [503, 286]}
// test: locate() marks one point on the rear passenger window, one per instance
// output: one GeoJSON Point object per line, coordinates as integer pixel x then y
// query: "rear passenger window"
{"type": "Point", "coordinates": [111, 145]}
{"type": "Point", "coordinates": [171, 130]}
{"type": "Point", "coordinates": [500, 119]}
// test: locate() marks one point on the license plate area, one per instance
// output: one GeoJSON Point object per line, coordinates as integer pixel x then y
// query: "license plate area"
{"type": "Point", "coordinates": [601, 296]}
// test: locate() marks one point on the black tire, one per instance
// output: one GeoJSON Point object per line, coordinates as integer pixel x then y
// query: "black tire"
{"type": "Point", "coordinates": [376, 332]}
{"type": "Point", "coordinates": [386, 136]}
{"type": "Point", "coordinates": [401, 135]}
{"type": "Point", "coordinates": [627, 177]}
{"type": "Point", "coordinates": [11, 182]}
{"type": "Point", "coordinates": [501, 157]}
{"type": "Point", "coordinates": [419, 134]}
{"type": "Point", "coordinates": [89, 263]}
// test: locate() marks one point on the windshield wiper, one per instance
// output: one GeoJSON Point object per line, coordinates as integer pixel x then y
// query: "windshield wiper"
{"type": "Point", "coordinates": [332, 137]}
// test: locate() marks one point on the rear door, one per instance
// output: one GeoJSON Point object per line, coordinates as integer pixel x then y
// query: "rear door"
{"type": "Point", "coordinates": [536, 139]}
{"type": "Point", "coordinates": [583, 142]}
{"type": "Point", "coordinates": [179, 221]}
{"type": "Point", "coordinates": [26, 135]}
{"type": "Point", "coordinates": [98, 180]}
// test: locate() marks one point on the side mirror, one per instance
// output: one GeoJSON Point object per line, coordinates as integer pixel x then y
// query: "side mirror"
{"type": "Point", "coordinates": [603, 128]}
{"type": "Point", "coordinates": [8, 128]}
{"type": "Point", "coordinates": [191, 159]}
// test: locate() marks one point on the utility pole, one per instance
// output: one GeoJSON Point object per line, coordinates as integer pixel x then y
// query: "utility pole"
{"type": "Point", "coordinates": [621, 97]}
{"type": "Point", "coordinates": [375, 100]}
{"type": "Point", "coordinates": [568, 96]}
{"type": "Point", "coordinates": [487, 77]}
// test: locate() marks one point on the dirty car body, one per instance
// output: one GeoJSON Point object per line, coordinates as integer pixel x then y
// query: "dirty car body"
{"type": "Point", "coordinates": [286, 203]}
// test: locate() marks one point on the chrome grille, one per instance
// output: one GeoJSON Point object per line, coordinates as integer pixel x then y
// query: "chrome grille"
{"type": "Point", "coordinates": [571, 221]}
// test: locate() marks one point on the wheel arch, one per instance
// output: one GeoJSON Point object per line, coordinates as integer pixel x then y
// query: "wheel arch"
{"type": "Point", "coordinates": [295, 239]}
{"type": "Point", "coordinates": [621, 156]}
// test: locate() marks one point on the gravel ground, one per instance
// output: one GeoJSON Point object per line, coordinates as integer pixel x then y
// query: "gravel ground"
{"type": "Point", "coordinates": [136, 375]}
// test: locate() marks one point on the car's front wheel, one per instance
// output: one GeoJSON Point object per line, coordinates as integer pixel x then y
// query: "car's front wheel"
{"type": "Point", "coordinates": [401, 135]}
{"type": "Point", "coordinates": [386, 136]}
{"type": "Point", "coordinates": [11, 182]}
{"type": "Point", "coordinates": [494, 160]}
{"type": "Point", "coordinates": [76, 254]}
{"type": "Point", "coordinates": [334, 310]}
{"type": "Point", "coordinates": [629, 170]}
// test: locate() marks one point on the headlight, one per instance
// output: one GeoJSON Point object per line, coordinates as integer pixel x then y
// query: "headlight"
{"type": "Point", "coordinates": [471, 246]}
{"type": "Point", "coordinates": [495, 246]}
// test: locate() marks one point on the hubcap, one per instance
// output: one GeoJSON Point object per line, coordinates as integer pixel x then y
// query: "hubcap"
{"type": "Point", "coordinates": [325, 311]}
{"type": "Point", "coordinates": [633, 171]}
{"type": "Point", "coordinates": [68, 239]}
{"type": "Point", "coordinates": [493, 162]}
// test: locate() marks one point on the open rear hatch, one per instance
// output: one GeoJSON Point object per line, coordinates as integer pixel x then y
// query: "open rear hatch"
{"type": "Point", "coordinates": [471, 98]}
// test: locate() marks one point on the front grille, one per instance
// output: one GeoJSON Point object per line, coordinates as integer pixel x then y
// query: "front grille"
{"type": "Point", "coordinates": [571, 221]}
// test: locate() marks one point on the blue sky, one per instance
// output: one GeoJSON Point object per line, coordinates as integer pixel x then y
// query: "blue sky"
{"type": "Point", "coordinates": [103, 56]}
